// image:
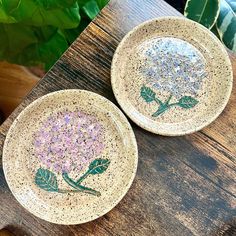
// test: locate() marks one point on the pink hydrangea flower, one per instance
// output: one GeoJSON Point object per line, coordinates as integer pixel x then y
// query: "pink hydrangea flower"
{"type": "Point", "coordinates": [69, 140]}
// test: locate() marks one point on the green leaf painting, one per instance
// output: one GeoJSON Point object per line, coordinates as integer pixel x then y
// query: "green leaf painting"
{"type": "Point", "coordinates": [187, 102]}
{"type": "Point", "coordinates": [47, 180]}
{"type": "Point", "coordinates": [203, 11]}
{"type": "Point", "coordinates": [40, 31]}
{"type": "Point", "coordinates": [149, 95]}
{"type": "Point", "coordinates": [98, 166]}
{"type": "Point", "coordinates": [226, 23]}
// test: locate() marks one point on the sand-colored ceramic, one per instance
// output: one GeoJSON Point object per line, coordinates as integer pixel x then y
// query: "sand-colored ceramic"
{"type": "Point", "coordinates": [70, 157]}
{"type": "Point", "coordinates": [171, 76]}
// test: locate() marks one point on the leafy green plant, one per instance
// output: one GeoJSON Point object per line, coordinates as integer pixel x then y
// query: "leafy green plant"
{"type": "Point", "coordinates": [217, 15]}
{"type": "Point", "coordinates": [37, 32]}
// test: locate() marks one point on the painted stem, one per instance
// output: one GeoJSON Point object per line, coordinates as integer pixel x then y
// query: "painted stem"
{"type": "Point", "coordinates": [79, 187]}
{"type": "Point", "coordinates": [84, 176]}
{"type": "Point", "coordinates": [158, 101]}
{"type": "Point", "coordinates": [168, 100]}
{"type": "Point", "coordinates": [69, 191]}
{"type": "Point", "coordinates": [163, 106]}
{"type": "Point", "coordinates": [160, 110]}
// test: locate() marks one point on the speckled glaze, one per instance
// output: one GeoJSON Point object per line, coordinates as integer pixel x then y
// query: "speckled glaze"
{"type": "Point", "coordinates": [70, 157]}
{"type": "Point", "coordinates": [171, 76]}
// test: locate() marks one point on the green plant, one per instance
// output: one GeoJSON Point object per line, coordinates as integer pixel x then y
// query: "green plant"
{"type": "Point", "coordinates": [217, 15]}
{"type": "Point", "coordinates": [37, 32]}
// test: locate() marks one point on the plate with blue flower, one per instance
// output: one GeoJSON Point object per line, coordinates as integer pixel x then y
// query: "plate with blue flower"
{"type": "Point", "coordinates": [171, 76]}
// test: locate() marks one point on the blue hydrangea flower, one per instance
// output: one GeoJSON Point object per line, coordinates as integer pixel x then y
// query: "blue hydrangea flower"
{"type": "Point", "coordinates": [174, 66]}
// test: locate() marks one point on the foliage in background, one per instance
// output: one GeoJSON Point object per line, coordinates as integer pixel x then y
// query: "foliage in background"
{"type": "Point", "coordinates": [37, 32]}
{"type": "Point", "coordinates": [217, 15]}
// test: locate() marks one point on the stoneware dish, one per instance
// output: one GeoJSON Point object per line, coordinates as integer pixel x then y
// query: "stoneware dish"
{"type": "Point", "coordinates": [171, 76]}
{"type": "Point", "coordinates": [70, 157]}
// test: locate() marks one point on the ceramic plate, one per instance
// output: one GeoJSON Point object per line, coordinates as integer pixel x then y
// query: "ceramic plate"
{"type": "Point", "coordinates": [171, 76]}
{"type": "Point", "coordinates": [70, 157]}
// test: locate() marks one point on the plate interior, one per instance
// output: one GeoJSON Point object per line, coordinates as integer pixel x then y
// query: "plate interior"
{"type": "Point", "coordinates": [171, 76]}
{"type": "Point", "coordinates": [70, 157]}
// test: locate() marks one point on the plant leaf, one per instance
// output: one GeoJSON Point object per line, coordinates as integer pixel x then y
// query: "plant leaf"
{"type": "Point", "coordinates": [30, 12]}
{"type": "Point", "coordinates": [232, 4]}
{"type": "Point", "coordinates": [44, 33]}
{"type": "Point", "coordinates": [72, 34]}
{"type": "Point", "coordinates": [214, 30]}
{"type": "Point", "coordinates": [226, 23]}
{"type": "Point", "coordinates": [10, 5]}
{"type": "Point", "coordinates": [44, 53]}
{"type": "Point", "coordinates": [147, 94]}
{"type": "Point", "coordinates": [91, 9]}
{"type": "Point", "coordinates": [102, 3]}
{"type": "Point", "coordinates": [204, 12]}
{"type": "Point", "coordinates": [51, 50]}
{"type": "Point", "coordinates": [187, 102]}
{"type": "Point", "coordinates": [52, 4]}
{"type": "Point", "coordinates": [4, 17]}
{"type": "Point", "coordinates": [98, 166]}
{"type": "Point", "coordinates": [14, 39]}
{"type": "Point", "coordinates": [46, 180]}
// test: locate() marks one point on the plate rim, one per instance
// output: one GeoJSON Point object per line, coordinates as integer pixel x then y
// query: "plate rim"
{"type": "Point", "coordinates": [156, 130]}
{"type": "Point", "coordinates": [132, 140]}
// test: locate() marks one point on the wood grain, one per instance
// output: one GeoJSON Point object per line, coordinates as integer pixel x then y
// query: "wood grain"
{"type": "Point", "coordinates": [184, 185]}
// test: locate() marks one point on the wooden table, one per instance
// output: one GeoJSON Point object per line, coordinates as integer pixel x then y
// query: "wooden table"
{"type": "Point", "coordinates": [184, 185]}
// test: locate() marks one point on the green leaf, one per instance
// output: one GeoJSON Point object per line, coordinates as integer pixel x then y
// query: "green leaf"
{"type": "Point", "coordinates": [46, 180]}
{"type": "Point", "coordinates": [10, 5]}
{"type": "Point", "coordinates": [44, 33]}
{"type": "Point", "coordinates": [45, 53]}
{"type": "Point", "coordinates": [29, 12]}
{"type": "Point", "coordinates": [98, 166]}
{"type": "Point", "coordinates": [204, 12]}
{"type": "Point", "coordinates": [52, 4]}
{"type": "Point", "coordinates": [226, 23]}
{"type": "Point", "coordinates": [147, 94]}
{"type": "Point", "coordinates": [232, 4]}
{"type": "Point", "coordinates": [91, 9]}
{"type": "Point", "coordinates": [82, 2]}
{"type": "Point", "coordinates": [4, 17]}
{"type": "Point", "coordinates": [14, 39]}
{"type": "Point", "coordinates": [187, 102]}
{"type": "Point", "coordinates": [102, 3]}
{"type": "Point", "coordinates": [214, 30]}
{"type": "Point", "coordinates": [72, 34]}
{"type": "Point", "coordinates": [42, 29]}
{"type": "Point", "coordinates": [51, 50]}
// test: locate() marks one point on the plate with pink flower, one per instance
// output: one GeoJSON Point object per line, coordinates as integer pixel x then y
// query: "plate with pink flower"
{"type": "Point", "coordinates": [171, 76]}
{"type": "Point", "coordinates": [70, 157]}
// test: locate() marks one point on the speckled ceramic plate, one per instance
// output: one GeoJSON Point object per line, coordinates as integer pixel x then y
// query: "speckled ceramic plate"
{"type": "Point", "coordinates": [171, 76]}
{"type": "Point", "coordinates": [70, 157]}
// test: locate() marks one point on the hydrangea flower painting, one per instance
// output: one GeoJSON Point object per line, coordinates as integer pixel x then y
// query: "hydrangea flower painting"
{"type": "Point", "coordinates": [67, 142]}
{"type": "Point", "coordinates": [173, 66]}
